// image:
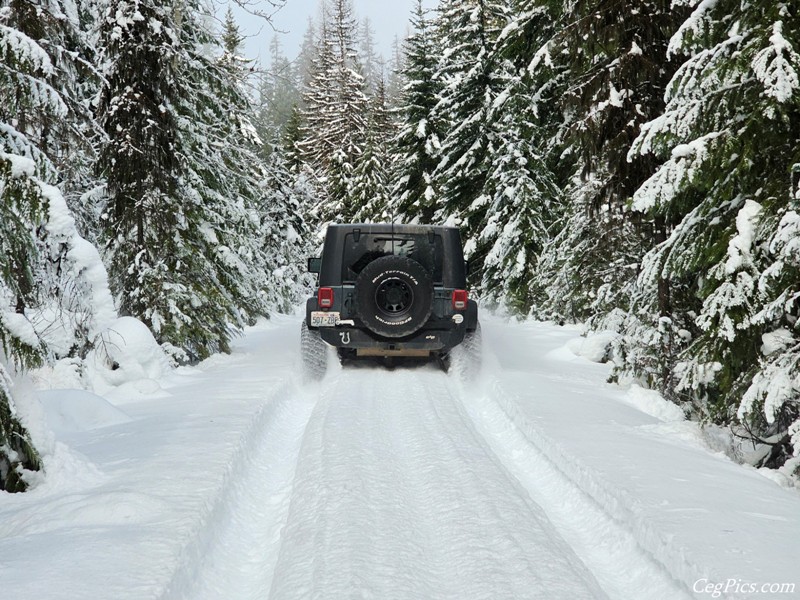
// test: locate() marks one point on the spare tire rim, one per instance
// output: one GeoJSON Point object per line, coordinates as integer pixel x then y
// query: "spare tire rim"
{"type": "Point", "coordinates": [394, 297]}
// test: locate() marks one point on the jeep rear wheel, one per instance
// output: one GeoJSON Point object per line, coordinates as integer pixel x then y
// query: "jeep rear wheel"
{"type": "Point", "coordinates": [394, 296]}
{"type": "Point", "coordinates": [314, 354]}
{"type": "Point", "coordinates": [467, 357]}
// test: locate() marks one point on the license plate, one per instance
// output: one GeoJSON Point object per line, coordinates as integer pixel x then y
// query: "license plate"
{"type": "Point", "coordinates": [324, 319]}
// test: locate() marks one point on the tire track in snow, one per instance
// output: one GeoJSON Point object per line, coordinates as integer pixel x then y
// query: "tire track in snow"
{"type": "Point", "coordinates": [234, 552]}
{"type": "Point", "coordinates": [609, 549]}
{"type": "Point", "coordinates": [397, 496]}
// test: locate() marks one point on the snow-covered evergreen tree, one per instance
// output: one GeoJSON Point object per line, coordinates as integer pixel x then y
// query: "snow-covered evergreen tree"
{"type": "Point", "coordinates": [771, 403]}
{"type": "Point", "coordinates": [348, 120]}
{"type": "Point", "coordinates": [21, 211]}
{"type": "Point", "coordinates": [395, 74]}
{"type": "Point", "coordinates": [54, 296]}
{"type": "Point", "coordinates": [729, 138]}
{"type": "Point", "coordinates": [231, 37]}
{"type": "Point", "coordinates": [369, 58]}
{"type": "Point", "coordinates": [223, 172]}
{"type": "Point", "coordinates": [184, 180]}
{"type": "Point", "coordinates": [522, 192]}
{"type": "Point", "coordinates": [269, 238]}
{"type": "Point", "coordinates": [63, 29]}
{"type": "Point", "coordinates": [145, 218]}
{"type": "Point", "coordinates": [278, 96]}
{"type": "Point", "coordinates": [416, 146]}
{"type": "Point", "coordinates": [615, 57]}
{"type": "Point", "coordinates": [316, 144]}
{"type": "Point", "coordinates": [468, 71]}
{"type": "Point", "coordinates": [335, 113]}
{"type": "Point", "coordinates": [369, 186]}
{"type": "Point", "coordinates": [286, 237]}
{"type": "Point", "coordinates": [291, 139]}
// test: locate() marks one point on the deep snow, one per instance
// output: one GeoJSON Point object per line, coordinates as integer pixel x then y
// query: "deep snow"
{"type": "Point", "coordinates": [230, 480]}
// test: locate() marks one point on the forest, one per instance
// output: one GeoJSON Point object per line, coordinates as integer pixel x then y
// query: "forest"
{"type": "Point", "coordinates": [633, 166]}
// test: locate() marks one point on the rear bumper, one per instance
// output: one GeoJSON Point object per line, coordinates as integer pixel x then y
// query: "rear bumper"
{"type": "Point", "coordinates": [438, 336]}
{"type": "Point", "coordinates": [422, 343]}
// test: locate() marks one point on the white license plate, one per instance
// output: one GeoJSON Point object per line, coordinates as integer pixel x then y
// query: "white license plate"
{"type": "Point", "coordinates": [324, 319]}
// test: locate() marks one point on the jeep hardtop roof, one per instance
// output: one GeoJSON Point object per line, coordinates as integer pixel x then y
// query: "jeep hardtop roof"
{"type": "Point", "coordinates": [339, 228]}
{"type": "Point", "coordinates": [338, 236]}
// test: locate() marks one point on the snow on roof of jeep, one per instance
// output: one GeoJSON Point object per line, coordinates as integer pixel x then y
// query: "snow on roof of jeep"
{"type": "Point", "coordinates": [382, 227]}
{"type": "Point", "coordinates": [396, 228]}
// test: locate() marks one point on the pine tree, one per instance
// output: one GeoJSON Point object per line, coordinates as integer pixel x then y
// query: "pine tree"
{"type": "Point", "coordinates": [349, 118]}
{"type": "Point", "coordinates": [277, 97]}
{"type": "Point", "coordinates": [69, 139]}
{"type": "Point", "coordinates": [317, 144]}
{"type": "Point", "coordinates": [370, 61]}
{"type": "Point", "coordinates": [291, 139]}
{"type": "Point", "coordinates": [232, 38]}
{"type": "Point", "coordinates": [395, 73]}
{"type": "Point", "coordinates": [50, 277]}
{"type": "Point", "coordinates": [771, 402]}
{"type": "Point", "coordinates": [468, 31]}
{"type": "Point", "coordinates": [618, 71]}
{"type": "Point", "coordinates": [269, 238]}
{"type": "Point", "coordinates": [729, 140]}
{"type": "Point", "coordinates": [183, 181]}
{"type": "Point", "coordinates": [369, 187]}
{"type": "Point", "coordinates": [63, 29]}
{"type": "Point", "coordinates": [220, 148]}
{"type": "Point", "coordinates": [336, 113]}
{"type": "Point", "coordinates": [417, 143]}
{"type": "Point", "coordinates": [522, 192]}
{"type": "Point", "coordinates": [21, 210]}
{"type": "Point", "coordinates": [522, 189]}
{"type": "Point", "coordinates": [144, 218]}
{"type": "Point", "coordinates": [285, 234]}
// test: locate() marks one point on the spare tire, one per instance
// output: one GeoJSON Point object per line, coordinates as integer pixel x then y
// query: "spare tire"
{"type": "Point", "coordinates": [394, 296]}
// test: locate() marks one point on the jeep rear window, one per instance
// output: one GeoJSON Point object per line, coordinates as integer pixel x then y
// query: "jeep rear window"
{"type": "Point", "coordinates": [428, 251]}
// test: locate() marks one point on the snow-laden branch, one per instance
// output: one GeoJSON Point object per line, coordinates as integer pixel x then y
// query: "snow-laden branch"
{"type": "Point", "coordinates": [776, 66]}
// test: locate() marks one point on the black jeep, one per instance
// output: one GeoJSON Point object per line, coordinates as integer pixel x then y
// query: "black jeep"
{"type": "Point", "coordinates": [388, 291]}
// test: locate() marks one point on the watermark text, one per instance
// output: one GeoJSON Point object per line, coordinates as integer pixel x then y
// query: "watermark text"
{"type": "Point", "coordinates": [740, 586]}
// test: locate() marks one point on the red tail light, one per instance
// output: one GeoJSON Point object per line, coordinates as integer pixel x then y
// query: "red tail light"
{"type": "Point", "coordinates": [460, 299]}
{"type": "Point", "coordinates": [325, 297]}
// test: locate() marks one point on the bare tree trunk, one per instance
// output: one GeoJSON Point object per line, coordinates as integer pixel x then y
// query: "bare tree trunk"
{"type": "Point", "coordinates": [664, 293]}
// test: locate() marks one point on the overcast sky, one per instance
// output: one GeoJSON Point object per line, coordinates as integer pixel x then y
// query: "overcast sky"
{"type": "Point", "coordinates": [389, 18]}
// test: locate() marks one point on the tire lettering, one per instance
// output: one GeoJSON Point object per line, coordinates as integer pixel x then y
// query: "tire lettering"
{"type": "Point", "coordinates": [403, 322]}
{"type": "Point", "coordinates": [411, 277]}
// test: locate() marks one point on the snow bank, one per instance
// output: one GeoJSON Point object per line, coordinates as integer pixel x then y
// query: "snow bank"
{"type": "Point", "coordinates": [652, 403]}
{"type": "Point", "coordinates": [595, 347]}
{"type": "Point", "coordinates": [661, 478]}
{"type": "Point", "coordinates": [61, 465]}
{"type": "Point", "coordinates": [78, 410]}
{"type": "Point", "coordinates": [63, 374]}
{"type": "Point", "coordinates": [192, 491]}
{"type": "Point", "coordinates": [126, 353]}
{"type": "Point", "coordinates": [616, 502]}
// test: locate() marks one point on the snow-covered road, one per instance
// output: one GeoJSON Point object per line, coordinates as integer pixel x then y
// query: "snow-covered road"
{"type": "Point", "coordinates": [398, 496]}
{"type": "Point", "coordinates": [231, 480]}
